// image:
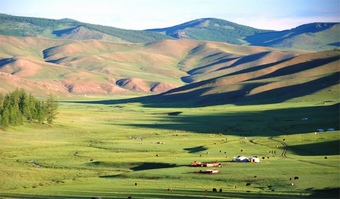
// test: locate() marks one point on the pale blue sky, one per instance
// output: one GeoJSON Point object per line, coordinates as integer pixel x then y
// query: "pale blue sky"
{"type": "Point", "coordinates": [145, 14]}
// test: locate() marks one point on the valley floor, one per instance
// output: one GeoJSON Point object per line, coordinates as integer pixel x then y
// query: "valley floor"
{"type": "Point", "coordinates": [121, 150]}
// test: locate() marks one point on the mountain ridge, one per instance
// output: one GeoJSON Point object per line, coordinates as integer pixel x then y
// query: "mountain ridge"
{"type": "Point", "coordinates": [209, 29]}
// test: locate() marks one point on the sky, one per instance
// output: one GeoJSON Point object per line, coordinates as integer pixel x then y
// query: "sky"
{"type": "Point", "coordinates": [148, 14]}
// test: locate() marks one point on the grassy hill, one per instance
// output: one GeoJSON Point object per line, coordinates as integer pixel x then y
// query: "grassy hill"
{"type": "Point", "coordinates": [210, 29]}
{"type": "Point", "coordinates": [71, 29]}
{"type": "Point", "coordinates": [314, 36]}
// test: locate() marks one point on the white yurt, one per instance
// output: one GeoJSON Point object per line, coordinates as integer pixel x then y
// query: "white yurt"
{"type": "Point", "coordinates": [254, 159]}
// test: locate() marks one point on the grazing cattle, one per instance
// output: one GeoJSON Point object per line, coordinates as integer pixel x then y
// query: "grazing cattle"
{"type": "Point", "coordinates": [214, 190]}
{"type": "Point", "coordinates": [169, 190]}
{"type": "Point", "coordinates": [325, 157]}
{"type": "Point", "coordinates": [255, 176]}
{"type": "Point", "coordinates": [235, 187]}
{"type": "Point", "coordinates": [248, 184]}
{"type": "Point", "coordinates": [129, 197]}
{"type": "Point", "coordinates": [220, 190]}
{"type": "Point", "coordinates": [296, 178]}
{"type": "Point", "coordinates": [135, 183]}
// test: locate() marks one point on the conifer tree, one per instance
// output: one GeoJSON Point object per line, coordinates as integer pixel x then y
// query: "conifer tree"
{"type": "Point", "coordinates": [51, 108]}
{"type": "Point", "coordinates": [18, 105]}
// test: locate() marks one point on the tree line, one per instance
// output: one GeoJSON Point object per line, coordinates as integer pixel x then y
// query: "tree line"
{"type": "Point", "coordinates": [19, 106]}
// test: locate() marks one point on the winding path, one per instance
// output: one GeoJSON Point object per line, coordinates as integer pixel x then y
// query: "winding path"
{"type": "Point", "coordinates": [284, 152]}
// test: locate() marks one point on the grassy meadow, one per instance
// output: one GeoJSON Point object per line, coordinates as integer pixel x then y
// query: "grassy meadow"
{"type": "Point", "coordinates": [124, 148]}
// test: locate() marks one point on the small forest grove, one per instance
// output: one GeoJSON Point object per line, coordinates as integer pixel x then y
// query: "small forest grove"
{"type": "Point", "coordinates": [19, 106]}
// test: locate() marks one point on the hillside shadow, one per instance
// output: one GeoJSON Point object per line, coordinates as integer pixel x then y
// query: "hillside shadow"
{"type": "Point", "coordinates": [152, 165]}
{"type": "Point", "coordinates": [256, 68]}
{"type": "Point", "coordinates": [325, 193]}
{"type": "Point", "coordinates": [247, 59]}
{"type": "Point", "coordinates": [264, 123]}
{"type": "Point", "coordinates": [220, 61]}
{"type": "Point", "coordinates": [250, 123]}
{"type": "Point", "coordinates": [299, 67]}
{"type": "Point", "coordinates": [196, 149]}
{"type": "Point", "coordinates": [5, 61]}
{"type": "Point", "coordinates": [273, 96]}
{"type": "Point", "coordinates": [317, 149]}
{"type": "Point", "coordinates": [60, 33]}
{"type": "Point", "coordinates": [337, 44]}
{"type": "Point", "coordinates": [282, 94]}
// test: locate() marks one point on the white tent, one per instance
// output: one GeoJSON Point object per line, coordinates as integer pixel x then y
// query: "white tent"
{"type": "Point", "coordinates": [241, 159]}
{"type": "Point", "coordinates": [254, 159]}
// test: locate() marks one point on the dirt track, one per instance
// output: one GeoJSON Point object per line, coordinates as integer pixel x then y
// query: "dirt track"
{"type": "Point", "coordinates": [284, 152]}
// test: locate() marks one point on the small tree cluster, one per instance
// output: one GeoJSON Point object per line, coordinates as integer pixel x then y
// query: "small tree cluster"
{"type": "Point", "coordinates": [17, 106]}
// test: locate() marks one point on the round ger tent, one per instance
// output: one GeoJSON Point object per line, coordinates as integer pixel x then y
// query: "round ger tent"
{"type": "Point", "coordinates": [254, 159]}
{"type": "Point", "coordinates": [241, 159]}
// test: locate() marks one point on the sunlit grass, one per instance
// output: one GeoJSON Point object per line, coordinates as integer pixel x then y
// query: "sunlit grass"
{"type": "Point", "coordinates": [103, 150]}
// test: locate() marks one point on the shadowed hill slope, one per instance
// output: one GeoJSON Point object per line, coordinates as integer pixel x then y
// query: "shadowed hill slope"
{"type": "Point", "coordinates": [304, 75]}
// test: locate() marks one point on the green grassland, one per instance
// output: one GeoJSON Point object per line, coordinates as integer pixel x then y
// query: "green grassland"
{"type": "Point", "coordinates": [99, 148]}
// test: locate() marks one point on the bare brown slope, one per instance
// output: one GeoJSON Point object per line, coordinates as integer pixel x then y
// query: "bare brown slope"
{"type": "Point", "coordinates": [37, 88]}
{"type": "Point", "coordinates": [88, 67]}
{"type": "Point", "coordinates": [93, 66]}
{"type": "Point", "coordinates": [143, 86]}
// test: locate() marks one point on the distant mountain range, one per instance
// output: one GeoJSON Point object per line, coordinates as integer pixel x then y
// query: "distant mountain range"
{"type": "Point", "coordinates": [314, 36]}
{"type": "Point", "coordinates": [202, 62]}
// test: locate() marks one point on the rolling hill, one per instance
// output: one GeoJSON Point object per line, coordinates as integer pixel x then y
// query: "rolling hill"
{"type": "Point", "coordinates": [314, 36]}
{"type": "Point", "coordinates": [210, 29]}
{"type": "Point", "coordinates": [201, 72]}
{"type": "Point", "coordinates": [71, 29]}
{"type": "Point", "coordinates": [314, 74]}
{"type": "Point", "coordinates": [71, 58]}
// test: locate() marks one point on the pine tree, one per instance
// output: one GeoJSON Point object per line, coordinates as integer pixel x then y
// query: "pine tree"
{"type": "Point", "coordinates": [41, 113]}
{"type": "Point", "coordinates": [18, 105]}
{"type": "Point", "coordinates": [5, 117]}
{"type": "Point", "coordinates": [51, 108]}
